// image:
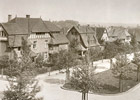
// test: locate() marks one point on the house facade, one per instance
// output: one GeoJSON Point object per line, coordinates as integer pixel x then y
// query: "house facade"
{"type": "Point", "coordinates": [135, 32]}
{"type": "Point", "coordinates": [3, 42]}
{"type": "Point", "coordinates": [37, 32]}
{"type": "Point", "coordinates": [118, 33]}
{"type": "Point", "coordinates": [85, 36]}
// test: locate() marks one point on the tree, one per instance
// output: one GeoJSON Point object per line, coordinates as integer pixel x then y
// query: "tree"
{"type": "Point", "coordinates": [95, 54]}
{"type": "Point", "coordinates": [66, 60]}
{"type": "Point", "coordinates": [121, 70]}
{"type": "Point", "coordinates": [82, 79]}
{"type": "Point", "coordinates": [136, 60]}
{"type": "Point", "coordinates": [3, 63]}
{"type": "Point", "coordinates": [112, 48]}
{"type": "Point", "coordinates": [22, 82]}
{"type": "Point", "coordinates": [74, 46]}
{"type": "Point", "coordinates": [134, 42]}
{"type": "Point", "coordinates": [41, 64]}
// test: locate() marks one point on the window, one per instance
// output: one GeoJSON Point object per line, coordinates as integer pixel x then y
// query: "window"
{"type": "Point", "coordinates": [45, 55]}
{"type": "Point", "coordinates": [46, 43]}
{"type": "Point", "coordinates": [19, 48]}
{"type": "Point", "coordinates": [34, 44]}
{"type": "Point", "coordinates": [40, 33]}
{"type": "Point", "coordinates": [50, 48]}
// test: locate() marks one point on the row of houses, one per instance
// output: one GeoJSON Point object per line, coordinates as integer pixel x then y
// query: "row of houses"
{"type": "Point", "coordinates": [43, 36]}
{"type": "Point", "coordinates": [46, 38]}
{"type": "Point", "coordinates": [116, 33]}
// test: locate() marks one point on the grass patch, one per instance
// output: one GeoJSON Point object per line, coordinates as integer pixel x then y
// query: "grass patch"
{"type": "Point", "coordinates": [108, 84]}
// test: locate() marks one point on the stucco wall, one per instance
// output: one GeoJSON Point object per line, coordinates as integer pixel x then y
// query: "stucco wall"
{"type": "Point", "coordinates": [3, 47]}
{"type": "Point", "coordinates": [40, 45]}
{"type": "Point", "coordinates": [63, 47]}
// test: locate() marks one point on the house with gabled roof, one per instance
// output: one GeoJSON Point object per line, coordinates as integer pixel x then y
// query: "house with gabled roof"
{"type": "Point", "coordinates": [85, 35]}
{"type": "Point", "coordinates": [118, 33]}
{"type": "Point", "coordinates": [39, 34]}
{"type": "Point", "coordinates": [135, 32]}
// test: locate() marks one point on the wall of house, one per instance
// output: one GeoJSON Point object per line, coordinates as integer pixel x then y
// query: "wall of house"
{"type": "Point", "coordinates": [128, 39]}
{"type": "Point", "coordinates": [63, 47]}
{"type": "Point", "coordinates": [3, 42]}
{"type": "Point", "coordinates": [3, 48]}
{"type": "Point", "coordinates": [73, 34]}
{"type": "Point", "coordinates": [40, 43]}
{"type": "Point", "coordinates": [53, 49]}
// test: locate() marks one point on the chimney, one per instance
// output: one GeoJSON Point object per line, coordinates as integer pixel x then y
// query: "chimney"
{"type": "Point", "coordinates": [27, 16]}
{"type": "Point", "coordinates": [9, 17]}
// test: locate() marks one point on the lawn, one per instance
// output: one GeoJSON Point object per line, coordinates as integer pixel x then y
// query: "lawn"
{"type": "Point", "coordinates": [108, 84]}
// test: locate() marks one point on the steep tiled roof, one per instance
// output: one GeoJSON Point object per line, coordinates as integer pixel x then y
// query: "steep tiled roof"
{"type": "Point", "coordinates": [22, 27]}
{"type": "Point", "coordinates": [84, 29]}
{"type": "Point", "coordinates": [16, 40]}
{"type": "Point", "coordinates": [89, 40]}
{"type": "Point", "coordinates": [88, 35]}
{"type": "Point", "coordinates": [137, 34]}
{"type": "Point", "coordinates": [58, 39]}
{"type": "Point", "coordinates": [52, 27]}
{"type": "Point", "coordinates": [12, 28]}
{"type": "Point", "coordinates": [30, 24]}
{"type": "Point", "coordinates": [119, 32]}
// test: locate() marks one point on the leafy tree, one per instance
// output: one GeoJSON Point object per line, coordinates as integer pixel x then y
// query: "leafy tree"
{"type": "Point", "coordinates": [66, 23]}
{"type": "Point", "coordinates": [134, 42]}
{"type": "Point", "coordinates": [41, 64]}
{"type": "Point", "coordinates": [66, 60]}
{"type": "Point", "coordinates": [121, 69]}
{"type": "Point", "coordinates": [136, 60]}
{"type": "Point", "coordinates": [3, 63]}
{"type": "Point", "coordinates": [82, 79]}
{"type": "Point", "coordinates": [95, 54]}
{"type": "Point", "coordinates": [110, 50]}
{"type": "Point", "coordinates": [22, 83]}
{"type": "Point", "coordinates": [74, 46]}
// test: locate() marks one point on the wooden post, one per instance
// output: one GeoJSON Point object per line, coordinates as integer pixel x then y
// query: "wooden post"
{"type": "Point", "coordinates": [2, 72]}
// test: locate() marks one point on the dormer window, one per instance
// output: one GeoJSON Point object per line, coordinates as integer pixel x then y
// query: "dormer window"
{"type": "Point", "coordinates": [40, 33]}
{"type": "Point", "coordinates": [2, 34]}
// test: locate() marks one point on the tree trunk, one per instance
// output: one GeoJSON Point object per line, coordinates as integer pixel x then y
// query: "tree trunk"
{"type": "Point", "coordinates": [49, 70]}
{"type": "Point", "coordinates": [84, 96]}
{"type": "Point", "coordinates": [2, 72]}
{"type": "Point", "coordinates": [102, 59]}
{"type": "Point", "coordinates": [137, 74]}
{"type": "Point", "coordinates": [67, 75]}
{"type": "Point", "coordinates": [125, 58]}
{"type": "Point", "coordinates": [120, 83]}
{"type": "Point", "coordinates": [87, 95]}
{"type": "Point", "coordinates": [111, 63]}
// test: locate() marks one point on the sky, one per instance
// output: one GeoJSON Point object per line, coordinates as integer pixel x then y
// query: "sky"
{"type": "Point", "coordinates": [85, 11]}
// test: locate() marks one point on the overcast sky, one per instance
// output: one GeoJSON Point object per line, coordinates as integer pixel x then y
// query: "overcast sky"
{"type": "Point", "coordinates": [105, 11]}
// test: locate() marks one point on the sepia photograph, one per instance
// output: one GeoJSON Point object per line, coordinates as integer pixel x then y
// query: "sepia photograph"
{"type": "Point", "coordinates": [69, 49]}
